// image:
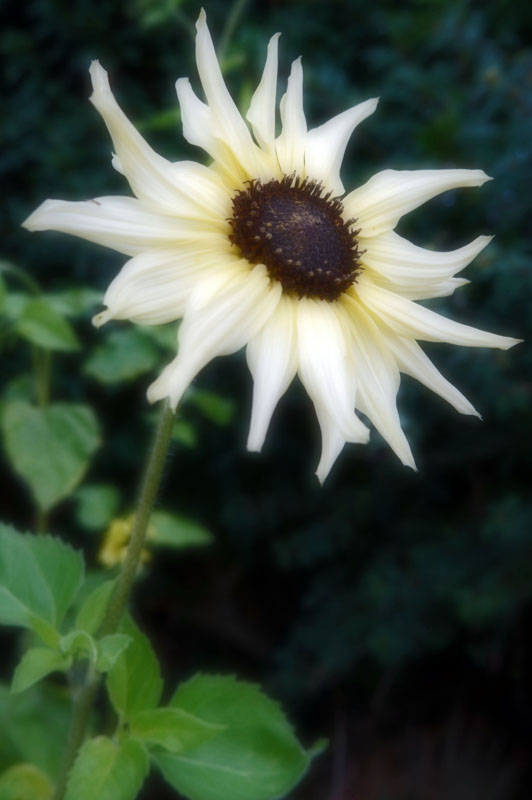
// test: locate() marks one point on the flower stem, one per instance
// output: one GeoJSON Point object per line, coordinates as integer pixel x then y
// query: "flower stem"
{"type": "Point", "coordinates": [117, 604]}
{"type": "Point", "coordinates": [148, 493]}
{"type": "Point", "coordinates": [78, 727]}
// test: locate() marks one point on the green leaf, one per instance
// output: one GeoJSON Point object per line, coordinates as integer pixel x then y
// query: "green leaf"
{"type": "Point", "coordinates": [92, 612]}
{"type": "Point", "coordinates": [319, 747]}
{"type": "Point", "coordinates": [39, 324]}
{"type": "Point", "coordinates": [50, 447]}
{"type": "Point", "coordinates": [257, 756]}
{"type": "Point", "coordinates": [22, 735]}
{"type": "Point", "coordinates": [217, 409]}
{"type": "Point", "coordinates": [14, 304]}
{"type": "Point", "coordinates": [25, 782]}
{"type": "Point", "coordinates": [110, 648]}
{"type": "Point", "coordinates": [172, 728]}
{"type": "Point", "coordinates": [35, 665]}
{"type": "Point", "coordinates": [79, 644]}
{"type": "Point", "coordinates": [73, 302]}
{"type": "Point", "coordinates": [123, 356]}
{"type": "Point", "coordinates": [174, 530]}
{"type": "Point", "coordinates": [24, 590]}
{"type": "Point", "coordinates": [20, 388]}
{"type": "Point", "coordinates": [98, 503]}
{"type": "Point", "coordinates": [63, 568]}
{"type": "Point", "coordinates": [39, 579]}
{"type": "Point", "coordinates": [108, 770]}
{"type": "Point", "coordinates": [134, 682]}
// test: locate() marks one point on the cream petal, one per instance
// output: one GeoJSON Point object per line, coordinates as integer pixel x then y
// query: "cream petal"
{"type": "Point", "coordinates": [409, 319]}
{"type": "Point", "coordinates": [216, 322]}
{"type": "Point", "coordinates": [228, 122]}
{"type": "Point", "coordinates": [196, 117]}
{"type": "Point", "coordinates": [378, 205]}
{"type": "Point", "coordinates": [332, 443]}
{"type": "Point", "coordinates": [422, 289]}
{"type": "Point", "coordinates": [325, 145]}
{"type": "Point", "coordinates": [121, 223]}
{"type": "Point", "coordinates": [290, 145]}
{"type": "Point", "coordinates": [205, 189]}
{"type": "Point", "coordinates": [323, 366]}
{"type": "Point", "coordinates": [377, 380]}
{"type": "Point", "coordinates": [398, 259]}
{"type": "Point", "coordinates": [200, 129]}
{"type": "Point", "coordinates": [261, 113]}
{"type": "Point", "coordinates": [116, 164]}
{"type": "Point", "coordinates": [272, 360]}
{"type": "Point", "coordinates": [150, 176]}
{"type": "Point", "coordinates": [153, 287]}
{"type": "Point", "coordinates": [429, 291]}
{"type": "Point", "coordinates": [414, 362]}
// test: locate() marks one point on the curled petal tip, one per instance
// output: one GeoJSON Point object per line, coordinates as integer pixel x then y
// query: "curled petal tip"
{"type": "Point", "coordinates": [28, 223]}
{"type": "Point", "coordinates": [99, 77]}
{"type": "Point", "coordinates": [36, 220]}
{"type": "Point", "coordinates": [483, 177]}
{"type": "Point", "coordinates": [468, 409]}
{"type": "Point", "coordinates": [253, 447]}
{"type": "Point", "coordinates": [100, 319]}
{"type": "Point", "coordinates": [361, 434]}
{"type": "Point", "coordinates": [483, 241]}
{"type": "Point", "coordinates": [321, 475]}
{"type": "Point", "coordinates": [322, 472]}
{"type": "Point", "coordinates": [155, 392]}
{"type": "Point", "coordinates": [202, 19]}
{"type": "Point", "coordinates": [160, 389]}
{"type": "Point", "coordinates": [117, 164]}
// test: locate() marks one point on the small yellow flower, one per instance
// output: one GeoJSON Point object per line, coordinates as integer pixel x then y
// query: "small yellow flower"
{"type": "Point", "coordinates": [263, 248]}
{"type": "Point", "coordinates": [115, 541]}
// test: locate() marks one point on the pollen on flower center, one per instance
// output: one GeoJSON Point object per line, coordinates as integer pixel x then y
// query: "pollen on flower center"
{"type": "Point", "coordinates": [299, 234]}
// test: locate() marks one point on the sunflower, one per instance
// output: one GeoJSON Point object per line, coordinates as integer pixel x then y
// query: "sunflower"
{"type": "Point", "coordinates": [264, 249]}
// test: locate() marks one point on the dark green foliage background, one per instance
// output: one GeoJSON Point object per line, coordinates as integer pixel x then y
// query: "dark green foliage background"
{"type": "Point", "coordinates": [387, 601]}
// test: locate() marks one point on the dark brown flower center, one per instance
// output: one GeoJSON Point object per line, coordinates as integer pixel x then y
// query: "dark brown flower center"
{"type": "Point", "coordinates": [299, 234]}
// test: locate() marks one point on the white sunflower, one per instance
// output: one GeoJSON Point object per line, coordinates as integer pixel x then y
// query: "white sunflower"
{"type": "Point", "coordinates": [263, 249]}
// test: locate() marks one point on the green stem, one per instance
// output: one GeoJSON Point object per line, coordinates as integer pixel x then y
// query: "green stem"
{"type": "Point", "coordinates": [41, 521]}
{"type": "Point", "coordinates": [42, 368]}
{"type": "Point", "coordinates": [148, 493]}
{"type": "Point", "coordinates": [117, 605]}
{"type": "Point", "coordinates": [78, 727]}
{"type": "Point", "coordinates": [227, 34]}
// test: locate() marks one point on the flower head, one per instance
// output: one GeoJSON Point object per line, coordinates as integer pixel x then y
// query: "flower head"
{"type": "Point", "coordinates": [264, 249]}
{"type": "Point", "coordinates": [116, 540]}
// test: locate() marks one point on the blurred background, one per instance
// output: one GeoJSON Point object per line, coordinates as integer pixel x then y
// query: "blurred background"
{"type": "Point", "coordinates": [389, 611]}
